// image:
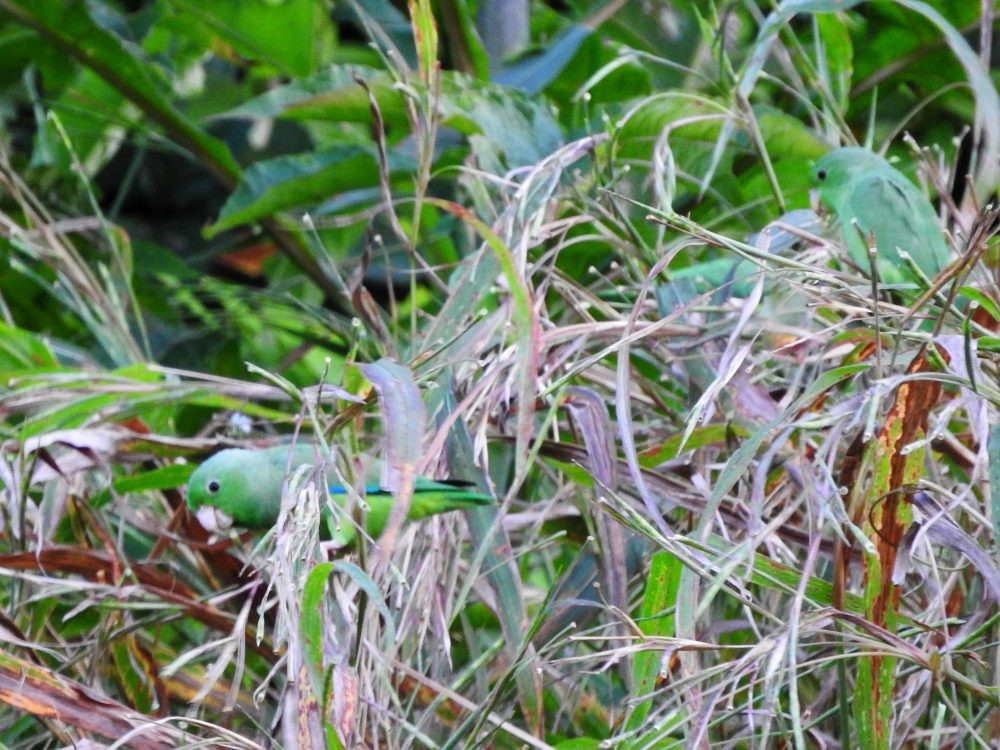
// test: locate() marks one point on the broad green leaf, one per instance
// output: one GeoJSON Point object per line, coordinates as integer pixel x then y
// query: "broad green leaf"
{"type": "Point", "coordinates": [331, 95]}
{"type": "Point", "coordinates": [20, 349]}
{"type": "Point", "coordinates": [521, 127]}
{"type": "Point", "coordinates": [163, 478]}
{"type": "Point", "coordinates": [286, 35]}
{"type": "Point", "coordinates": [300, 181]}
{"type": "Point", "coordinates": [690, 119]}
{"type": "Point", "coordinates": [311, 627]}
{"type": "Point", "coordinates": [655, 619]}
{"type": "Point", "coordinates": [88, 111]}
{"type": "Point", "coordinates": [70, 27]}
{"type": "Point", "coordinates": [19, 49]}
{"type": "Point", "coordinates": [983, 299]}
{"type": "Point", "coordinates": [425, 38]}
{"type": "Point", "coordinates": [787, 137]}
{"type": "Point", "coordinates": [311, 622]}
{"type": "Point", "coordinates": [710, 434]}
{"type": "Point", "coordinates": [119, 399]}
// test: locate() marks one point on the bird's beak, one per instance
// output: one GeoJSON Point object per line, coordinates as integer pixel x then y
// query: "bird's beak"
{"type": "Point", "coordinates": [814, 203]}
{"type": "Point", "coordinates": [213, 520]}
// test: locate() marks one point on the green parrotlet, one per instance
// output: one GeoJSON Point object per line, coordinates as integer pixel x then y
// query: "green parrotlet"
{"type": "Point", "coordinates": [244, 487]}
{"type": "Point", "coordinates": [864, 192]}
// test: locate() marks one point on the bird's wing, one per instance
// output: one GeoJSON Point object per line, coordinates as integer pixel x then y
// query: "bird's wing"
{"type": "Point", "coordinates": [900, 217]}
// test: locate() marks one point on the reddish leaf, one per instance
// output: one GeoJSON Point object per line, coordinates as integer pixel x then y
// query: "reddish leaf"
{"type": "Point", "coordinates": [43, 693]}
{"type": "Point", "coordinates": [99, 567]}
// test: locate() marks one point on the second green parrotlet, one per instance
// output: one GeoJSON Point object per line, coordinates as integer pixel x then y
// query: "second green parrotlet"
{"type": "Point", "coordinates": [245, 486]}
{"type": "Point", "coordinates": [864, 192]}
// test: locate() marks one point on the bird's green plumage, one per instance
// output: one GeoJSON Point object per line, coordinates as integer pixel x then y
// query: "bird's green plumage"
{"type": "Point", "coordinates": [246, 486]}
{"type": "Point", "coordinates": [860, 187]}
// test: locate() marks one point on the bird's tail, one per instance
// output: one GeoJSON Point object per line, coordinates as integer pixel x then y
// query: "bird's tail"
{"type": "Point", "coordinates": [432, 496]}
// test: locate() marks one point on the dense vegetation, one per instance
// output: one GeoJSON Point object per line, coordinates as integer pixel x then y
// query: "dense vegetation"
{"type": "Point", "coordinates": [743, 492]}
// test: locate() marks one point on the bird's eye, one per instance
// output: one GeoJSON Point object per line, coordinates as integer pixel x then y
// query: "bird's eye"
{"type": "Point", "coordinates": [213, 486]}
{"type": "Point", "coordinates": [821, 174]}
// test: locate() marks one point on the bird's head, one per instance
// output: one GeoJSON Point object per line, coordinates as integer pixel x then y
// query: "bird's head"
{"type": "Point", "coordinates": [219, 489]}
{"type": "Point", "coordinates": [838, 168]}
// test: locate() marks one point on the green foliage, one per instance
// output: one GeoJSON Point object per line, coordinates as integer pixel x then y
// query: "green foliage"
{"type": "Point", "coordinates": [579, 271]}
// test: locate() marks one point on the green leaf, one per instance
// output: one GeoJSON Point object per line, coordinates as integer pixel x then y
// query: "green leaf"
{"type": "Point", "coordinates": [465, 45]}
{"type": "Point", "coordinates": [693, 121]}
{"type": "Point", "coordinates": [22, 349]}
{"type": "Point", "coordinates": [301, 180]}
{"type": "Point", "coordinates": [88, 111]}
{"type": "Point", "coordinates": [787, 137]}
{"type": "Point", "coordinates": [984, 300]}
{"type": "Point", "coordinates": [331, 95]}
{"type": "Point", "coordinates": [519, 126]}
{"type": "Point", "coordinates": [425, 37]}
{"type": "Point", "coordinates": [670, 448]}
{"type": "Point", "coordinates": [163, 478]}
{"type": "Point", "coordinates": [311, 624]}
{"type": "Point", "coordinates": [69, 26]}
{"type": "Point", "coordinates": [311, 628]}
{"type": "Point", "coordinates": [285, 35]}
{"type": "Point", "coordinates": [654, 620]}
